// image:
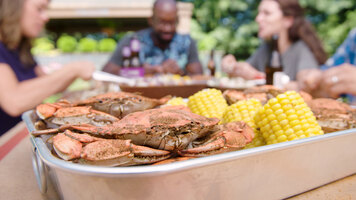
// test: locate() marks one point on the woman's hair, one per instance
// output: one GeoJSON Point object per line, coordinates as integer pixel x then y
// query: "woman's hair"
{"type": "Point", "coordinates": [302, 29]}
{"type": "Point", "coordinates": [10, 30]}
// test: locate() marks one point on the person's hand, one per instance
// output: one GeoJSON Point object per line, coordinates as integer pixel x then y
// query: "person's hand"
{"type": "Point", "coordinates": [246, 71]}
{"type": "Point", "coordinates": [339, 80]}
{"type": "Point", "coordinates": [82, 69]}
{"type": "Point", "coordinates": [309, 79]}
{"type": "Point", "coordinates": [240, 69]}
{"type": "Point", "coordinates": [227, 63]}
{"type": "Point", "coordinates": [151, 70]}
{"type": "Point", "coordinates": [292, 85]}
{"type": "Point", "coordinates": [171, 67]}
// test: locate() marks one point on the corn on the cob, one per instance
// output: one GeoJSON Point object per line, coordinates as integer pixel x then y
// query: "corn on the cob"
{"type": "Point", "coordinates": [177, 101]}
{"type": "Point", "coordinates": [287, 117]}
{"type": "Point", "coordinates": [208, 103]}
{"type": "Point", "coordinates": [245, 110]}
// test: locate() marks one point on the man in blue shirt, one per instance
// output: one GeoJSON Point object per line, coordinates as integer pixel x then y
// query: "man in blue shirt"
{"type": "Point", "coordinates": [337, 77]}
{"type": "Point", "coordinates": [162, 50]}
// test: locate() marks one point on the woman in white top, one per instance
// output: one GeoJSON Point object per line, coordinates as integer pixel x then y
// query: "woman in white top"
{"type": "Point", "coordinates": [298, 43]}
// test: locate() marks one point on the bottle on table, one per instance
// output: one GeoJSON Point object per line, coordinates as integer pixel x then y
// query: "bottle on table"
{"type": "Point", "coordinates": [135, 50]}
{"type": "Point", "coordinates": [211, 64]}
{"type": "Point", "coordinates": [126, 57]}
{"type": "Point", "coordinates": [132, 64]}
{"type": "Point", "coordinates": [274, 64]}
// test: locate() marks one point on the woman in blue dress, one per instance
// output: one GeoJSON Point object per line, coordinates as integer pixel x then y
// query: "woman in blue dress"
{"type": "Point", "coordinates": [23, 84]}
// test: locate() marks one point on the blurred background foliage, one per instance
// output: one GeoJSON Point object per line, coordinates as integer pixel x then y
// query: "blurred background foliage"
{"type": "Point", "coordinates": [226, 25]}
{"type": "Point", "coordinates": [229, 24]}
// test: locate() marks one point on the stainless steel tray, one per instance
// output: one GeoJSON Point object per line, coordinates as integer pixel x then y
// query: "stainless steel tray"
{"type": "Point", "coordinates": [270, 172]}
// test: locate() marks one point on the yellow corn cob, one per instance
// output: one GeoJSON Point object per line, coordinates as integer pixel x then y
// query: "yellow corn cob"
{"type": "Point", "coordinates": [208, 103]}
{"type": "Point", "coordinates": [245, 110]}
{"type": "Point", "coordinates": [287, 117]}
{"type": "Point", "coordinates": [176, 101]}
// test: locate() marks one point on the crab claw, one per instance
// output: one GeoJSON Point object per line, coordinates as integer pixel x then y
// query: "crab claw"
{"type": "Point", "coordinates": [45, 111]}
{"type": "Point", "coordinates": [232, 136]}
{"type": "Point", "coordinates": [66, 147]}
{"type": "Point", "coordinates": [120, 153]}
{"type": "Point", "coordinates": [45, 131]}
{"type": "Point", "coordinates": [146, 155]}
{"type": "Point", "coordinates": [48, 110]}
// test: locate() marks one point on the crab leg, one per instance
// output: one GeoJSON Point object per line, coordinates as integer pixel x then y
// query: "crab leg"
{"type": "Point", "coordinates": [219, 142]}
{"type": "Point", "coordinates": [44, 132]}
{"type": "Point", "coordinates": [53, 130]}
{"type": "Point", "coordinates": [120, 153]}
{"type": "Point", "coordinates": [145, 155]}
{"type": "Point", "coordinates": [232, 137]}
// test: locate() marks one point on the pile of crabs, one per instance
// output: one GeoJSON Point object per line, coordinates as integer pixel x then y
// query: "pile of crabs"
{"type": "Point", "coordinates": [124, 129]}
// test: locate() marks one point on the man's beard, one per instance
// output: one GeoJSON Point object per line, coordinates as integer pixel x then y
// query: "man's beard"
{"type": "Point", "coordinates": [161, 40]}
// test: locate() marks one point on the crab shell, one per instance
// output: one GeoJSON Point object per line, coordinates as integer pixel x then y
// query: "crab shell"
{"type": "Point", "coordinates": [121, 104]}
{"type": "Point", "coordinates": [262, 93]}
{"type": "Point", "coordinates": [168, 128]}
{"type": "Point", "coordinates": [97, 151]}
{"type": "Point", "coordinates": [55, 116]}
{"type": "Point", "coordinates": [333, 115]}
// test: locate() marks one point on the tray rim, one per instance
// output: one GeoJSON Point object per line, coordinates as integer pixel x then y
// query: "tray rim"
{"type": "Point", "coordinates": [154, 170]}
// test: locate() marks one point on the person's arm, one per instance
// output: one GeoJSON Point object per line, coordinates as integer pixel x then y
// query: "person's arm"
{"type": "Point", "coordinates": [240, 69]}
{"type": "Point", "coordinates": [246, 69]}
{"type": "Point", "coordinates": [152, 70]}
{"type": "Point", "coordinates": [39, 71]}
{"type": "Point", "coordinates": [310, 79]}
{"type": "Point", "coordinates": [18, 97]}
{"type": "Point", "coordinates": [194, 66]}
{"type": "Point", "coordinates": [227, 63]}
{"type": "Point", "coordinates": [112, 68]}
{"type": "Point", "coordinates": [339, 80]}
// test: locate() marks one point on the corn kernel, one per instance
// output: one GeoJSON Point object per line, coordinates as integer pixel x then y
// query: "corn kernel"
{"type": "Point", "coordinates": [282, 138]}
{"type": "Point", "coordinates": [273, 122]}
{"type": "Point", "coordinates": [284, 122]}
{"type": "Point", "coordinates": [281, 117]}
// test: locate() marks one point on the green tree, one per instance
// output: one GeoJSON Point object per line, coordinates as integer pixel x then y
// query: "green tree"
{"type": "Point", "coordinates": [333, 20]}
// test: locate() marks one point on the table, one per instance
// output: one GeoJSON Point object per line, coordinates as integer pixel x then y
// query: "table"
{"type": "Point", "coordinates": [17, 179]}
